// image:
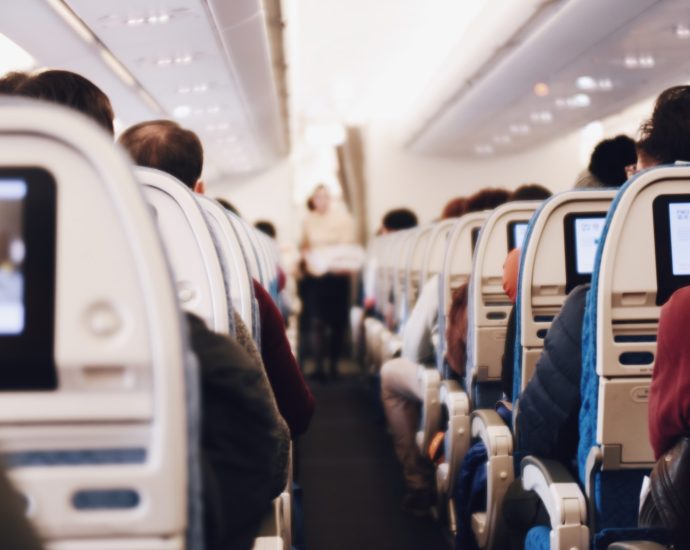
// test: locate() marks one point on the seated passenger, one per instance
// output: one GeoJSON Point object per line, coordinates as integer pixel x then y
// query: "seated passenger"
{"type": "Point", "coordinates": [164, 145]}
{"type": "Point", "coordinates": [400, 391]}
{"type": "Point", "coordinates": [244, 440]}
{"type": "Point", "coordinates": [610, 165]}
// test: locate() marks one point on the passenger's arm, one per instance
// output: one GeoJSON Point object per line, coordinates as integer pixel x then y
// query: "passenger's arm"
{"type": "Point", "coordinates": [244, 440]}
{"type": "Point", "coordinates": [295, 400]}
{"type": "Point", "coordinates": [417, 344]}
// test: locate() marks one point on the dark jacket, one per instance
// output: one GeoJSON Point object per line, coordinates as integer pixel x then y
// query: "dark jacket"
{"type": "Point", "coordinates": [295, 400]}
{"type": "Point", "coordinates": [508, 361]}
{"type": "Point", "coordinates": [15, 530]}
{"type": "Point", "coordinates": [547, 418]}
{"type": "Point", "coordinates": [244, 440]}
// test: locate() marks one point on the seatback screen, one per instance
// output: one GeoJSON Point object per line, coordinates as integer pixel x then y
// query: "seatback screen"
{"type": "Point", "coordinates": [517, 231]}
{"type": "Point", "coordinates": [679, 222]}
{"type": "Point", "coordinates": [587, 235]}
{"type": "Point", "coordinates": [671, 244]}
{"type": "Point", "coordinates": [12, 252]}
{"type": "Point", "coordinates": [27, 279]}
{"type": "Point", "coordinates": [582, 233]}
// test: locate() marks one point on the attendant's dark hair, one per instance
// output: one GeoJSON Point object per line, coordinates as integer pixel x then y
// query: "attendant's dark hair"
{"type": "Point", "coordinates": [530, 192]}
{"type": "Point", "coordinates": [400, 218]}
{"type": "Point", "coordinates": [266, 227]}
{"type": "Point", "coordinates": [454, 208]}
{"type": "Point", "coordinates": [486, 199]}
{"type": "Point", "coordinates": [165, 145]}
{"type": "Point", "coordinates": [665, 137]}
{"type": "Point", "coordinates": [11, 81]}
{"type": "Point", "coordinates": [71, 90]}
{"type": "Point", "coordinates": [609, 159]}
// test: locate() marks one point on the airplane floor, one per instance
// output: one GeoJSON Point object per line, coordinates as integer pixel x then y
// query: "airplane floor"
{"type": "Point", "coordinates": [351, 479]}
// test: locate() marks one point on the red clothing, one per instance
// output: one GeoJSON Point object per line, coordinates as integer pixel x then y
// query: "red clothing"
{"type": "Point", "coordinates": [669, 395]}
{"type": "Point", "coordinates": [295, 400]}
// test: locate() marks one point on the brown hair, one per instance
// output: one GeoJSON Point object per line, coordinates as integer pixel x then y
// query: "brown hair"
{"type": "Point", "coordinates": [454, 208]}
{"type": "Point", "coordinates": [71, 90]}
{"type": "Point", "coordinates": [165, 145]}
{"type": "Point", "coordinates": [456, 332]}
{"type": "Point", "coordinates": [486, 199]}
{"type": "Point", "coordinates": [11, 81]}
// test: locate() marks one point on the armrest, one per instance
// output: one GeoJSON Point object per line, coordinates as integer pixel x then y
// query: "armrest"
{"type": "Point", "coordinates": [488, 527]}
{"type": "Point", "coordinates": [429, 380]}
{"type": "Point", "coordinates": [562, 499]}
{"type": "Point", "coordinates": [489, 426]}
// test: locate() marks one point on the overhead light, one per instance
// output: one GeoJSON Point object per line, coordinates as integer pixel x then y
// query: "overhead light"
{"type": "Point", "coordinates": [182, 111]}
{"type": "Point", "coordinates": [200, 88]}
{"type": "Point", "coordinates": [541, 117]}
{"type": "Point", "coordinates": [72, 20]}
{"type": "Point", "coordinates": [639, 61]}
{"type": "Point", "coordinates": [164, 61]}
{"type": "Point", "coordinates": [183, 59]}
{"type": "Point", "coordinates": [605, 84]}
{"type": "Point", "coordinates": [177, 60]}
{"type": "Point", "coordinates": [683, 32]}
{"type": "Point", "coordinates": [483, 149]}
{"type": "Point", "coordinates": [541, 89]}
{"type": "Point", "coordinates": [135, 21]}
{"type": "Point", "coordinates": [519, 129]}
{"type": "Point", "coordinates": [503, 139]}
{"type": "Point", "coordinates": [586, 83]}
{"type": "Point", "coordinates": [13, 57]}
{"type": "Point", "coordinates": [577, 101]}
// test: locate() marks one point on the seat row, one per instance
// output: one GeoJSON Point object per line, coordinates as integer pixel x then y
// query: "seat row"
{"type": "Point", "coordinates": [622, 242]}
{"type": "Point", "coordinates": [109, 457]}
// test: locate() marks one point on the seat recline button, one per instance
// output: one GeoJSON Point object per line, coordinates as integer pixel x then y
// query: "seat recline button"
{"type": "Point", "coordinates": [103, 319]}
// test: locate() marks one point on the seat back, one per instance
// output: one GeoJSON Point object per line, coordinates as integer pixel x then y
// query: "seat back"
{"type": "Point", "coordinates": [236, 274]}
{"type": "Point", "coordinates": [457, 266]}
{"type": "Point", "coordinates": [557, 255]}
{"type": "Point", "coordinates": [256, 268]}
{"type": "Point", "coordinates": [94, 435]}
{"type": "Point", "coordinates": [488, 304]}
{"type": "Point", "coordinates": [390, 260]}
{"type": "Point", "coordinates": [414, 269]}
{"type": "Point", "coordinates": [188, 241]}
{"type": "Point", "coordinates": [640, 261]}
{"type": "Point", "coordinates": [435, 253]}
{"type": "Point", "coordinates": [402, 260]}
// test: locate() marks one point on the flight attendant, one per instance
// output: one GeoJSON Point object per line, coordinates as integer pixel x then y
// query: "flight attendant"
{"type": "Point", "coordinates": [327, 227]}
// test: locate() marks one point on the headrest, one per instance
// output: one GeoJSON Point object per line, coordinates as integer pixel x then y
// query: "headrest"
{"type": "Point", "coordinates": [190, 247]}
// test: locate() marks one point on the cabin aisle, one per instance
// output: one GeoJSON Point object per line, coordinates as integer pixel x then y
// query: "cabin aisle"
{"type": "Point", "coordinates": [352, 482]}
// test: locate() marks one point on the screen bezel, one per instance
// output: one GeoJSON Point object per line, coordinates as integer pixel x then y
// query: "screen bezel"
{"type": "Point", "coordinates": [572, 277]}
{"type": "Point", "coordinates": [511, 232]}
{"type": "Point", "coordinates": [667, 283]}
{"type": "Point", "coordinates": [27, 359]}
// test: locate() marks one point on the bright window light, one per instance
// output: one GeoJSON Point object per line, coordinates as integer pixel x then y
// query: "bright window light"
{"type": "Point", "coordinates": [13, 57]}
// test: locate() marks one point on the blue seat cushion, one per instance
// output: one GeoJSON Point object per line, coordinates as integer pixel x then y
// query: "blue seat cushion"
{"type": "Point", "coordinates": [538, 538]}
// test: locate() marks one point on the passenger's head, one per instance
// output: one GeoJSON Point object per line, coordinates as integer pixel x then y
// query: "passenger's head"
{"type": "Point", "coordinates": [73, 91]}
{"type": "Point", "coordinates": [400, 218]}
{"type": "Point", "coordinates": [321, 199]}
{"type": "Point", "coordinates": [530, 192]}
{"type": "Point", "coordinates": [266, 227]}
{"type": "Point", "coordinates": [228, 206]}
{"type": "Point", "coordinates": [486, 199]}
{"type": "Point", "coordinates": [11, 81]}
{"type": "Point", "coordinates": [610, 159]}
{"type": "Point", "coordinates": [665, 137]}
{"type": "Point", "coordinates": [454, 208]}
{"type": "Point", "coordinates": [165, 145]}
{"type": "Point", "coordinates": [511, 269]}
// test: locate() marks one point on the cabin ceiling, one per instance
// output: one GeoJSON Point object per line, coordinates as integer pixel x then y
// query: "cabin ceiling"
{"type": "Point", "coordinates": [581, 61]}
{"type": "Point", "coordinates": [216, 66]}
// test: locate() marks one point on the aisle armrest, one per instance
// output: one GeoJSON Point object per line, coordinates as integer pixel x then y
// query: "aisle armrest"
{"type": "Point", "coordinates": [429, 380]}
{"type": "Point", "coordinates": [488, 527]}
{"type": "Point", "coordinates": [562, 499]}
{"type": "Point", "coordinates": [637, 545]}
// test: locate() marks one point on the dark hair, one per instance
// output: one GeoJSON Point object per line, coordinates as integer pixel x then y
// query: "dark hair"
{"type": "Point", "coordinates": [530, 192]}
{"type": "Point", "coordinates": [228, 206]}
{"type": "Point", "coordinates": [486, 199]}
{"type": "Point", "coordinates": [165, 145]}
{"type": "Point", "coordinates": [310, 204]}
{"type": "Point", "coordinates": [11, 81]}
{"type": "Point", "coordinates": [266, 227]}
{"type": "Point", "coordinates": [665, 137]}
{"type": "Point", "coordinates": [71, 90]}
{"type": "Point", "coordinates": [609, 159]}
{"type": "Point", "coordinates": [454, 208]}
{"type": "Point", "coordinates": [400, 218]}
